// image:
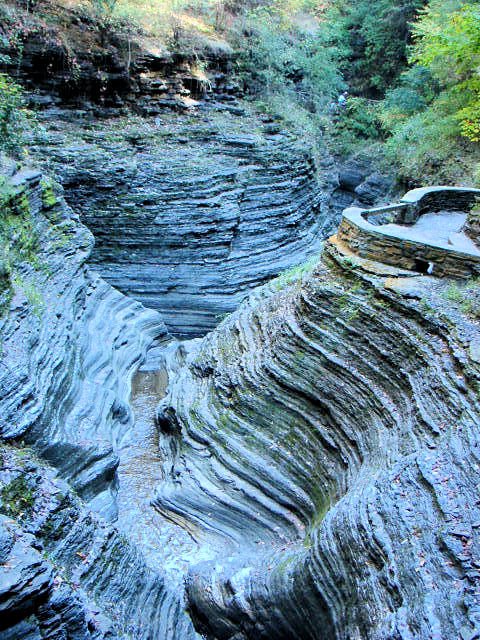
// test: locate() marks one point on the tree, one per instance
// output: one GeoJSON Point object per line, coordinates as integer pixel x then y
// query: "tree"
{"type": "Point", "coordinates": [373, 39]}
{"type": "Point", "coordinates": [447, 42]}
{"type": "Point", "coordinates": [13, 116]}
{"type": "Point", "coordinates": [104, 8]}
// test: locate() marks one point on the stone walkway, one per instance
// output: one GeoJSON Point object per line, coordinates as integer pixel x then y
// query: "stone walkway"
{"type": "Point", "coordinates": [442, 229]}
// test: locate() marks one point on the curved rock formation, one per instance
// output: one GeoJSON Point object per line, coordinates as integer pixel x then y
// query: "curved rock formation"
{"type": "Point", "coordinates": [66, 573]}
{"type": "Point", "coordinates": [70, 345]}
{"type": "Point", "coordinates": [317, 462]}
{"type": "Point", "coordinates": [189, 214]}
{"type": "Point", "coordinates": [70, 342]}
{"type": "Point", "coordinates": [325, 440]}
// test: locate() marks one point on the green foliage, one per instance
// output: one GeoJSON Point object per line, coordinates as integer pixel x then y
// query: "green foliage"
{"type": "Point", "coordinates": [13, 116]}
{"type": "Point", "coordinates": [360, 120]}
{"type": "Point", "coordinates": [372, 40]}
{"type": "Point", "coordinates": [437, 102]}
{"type": "Point", "coordinates": [448, 43]}
{"type": "Point", "coordinates": [104, 8]}
{"type": "Point", "coordinates": [17, 497]}
{"type": "Point", "coordinates": [414, 92]}
{"type": "Point", "coordinates": [282, 54]}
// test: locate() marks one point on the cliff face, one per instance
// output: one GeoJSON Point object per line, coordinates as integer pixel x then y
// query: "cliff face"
{"type": "Point", "coordinates": [315, 470]}
{"type": "Point", "coordinates": [70, 345]}
{"type": "Point", "coordinates": [329, 430]}
{"type": "Point", "coordinates": [66, 573]}
{"type": "Point", "coordinates": [70, 342]}
{"type": "Point", "coordinates": [191, 213]}
{"type": "Point", "coordinates": [68, 53]}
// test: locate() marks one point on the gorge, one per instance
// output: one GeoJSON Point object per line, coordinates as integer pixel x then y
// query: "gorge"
{"type": "Point", "coordinates": [225, 414]}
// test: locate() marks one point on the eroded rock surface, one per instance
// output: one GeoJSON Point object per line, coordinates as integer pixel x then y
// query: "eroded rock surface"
{"type": "Point", "coordinates": [65, 55]}
{"type": "Point", "coordinates": [191, 213]}
{"type": "Point", "coordinates": [314, 466]}
{"type": "Point", "coordinates": [329, 430]}
{"type": "Point", "coordinates": [70, 342]}
{"type": "Point", "coordinates": [70, 345]}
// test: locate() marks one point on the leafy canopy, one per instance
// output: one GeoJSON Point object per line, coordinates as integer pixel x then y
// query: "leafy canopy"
{"type": "Point", "coordinates": [448, 44]}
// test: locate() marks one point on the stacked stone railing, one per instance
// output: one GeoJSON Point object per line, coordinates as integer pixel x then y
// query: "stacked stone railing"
{"type": "Point", "coordinates": [361, 230]}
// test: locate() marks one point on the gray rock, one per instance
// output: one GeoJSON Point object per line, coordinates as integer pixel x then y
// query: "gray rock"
{"type": "Point", "coordinates": [189, 229]}
{"type": "Point", "coordinates": [334, 455]}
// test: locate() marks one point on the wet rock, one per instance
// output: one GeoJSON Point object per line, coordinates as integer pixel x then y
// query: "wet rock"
{"type": "Point", "coordinates": [331, 448]}
{"type": "Point", "coordinates": [67, 574]}
{"type": "Point", "coordinates": [70, 343]}
{"type": "Point", "coordinates": [189, 214]}
{"type": "Point", "coordinates": [375, 187]}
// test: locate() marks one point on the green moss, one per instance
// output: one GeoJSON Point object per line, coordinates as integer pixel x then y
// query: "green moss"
{"type": "Point", "coordinates": [348, 308]}
{"type": "Point", "coordinates": [19, 244]}
{"type": "Point", "coordinates": [19, 241]}
{"type": "Point", "coordinates": [17, 497]}
{"type": "Point", "coordinates": [294, 274]}
{"type": "Point", "coordinates": [34, 297]}
{"type": "Point", "coordinates": [283, 566]}
{"type": "Point", "coordinates": [317, 519]}
{"type": "Point", "coordinates": [465, 296]}
{"type": "Point", "coordinates": [49, 199]}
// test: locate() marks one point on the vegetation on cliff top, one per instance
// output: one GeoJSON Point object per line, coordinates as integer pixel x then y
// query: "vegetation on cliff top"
{"type": "Point", "coordinates": [410, 66]}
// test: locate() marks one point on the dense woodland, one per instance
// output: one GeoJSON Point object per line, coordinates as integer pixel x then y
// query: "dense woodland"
{"type": "Point", "coordinates": [411, 69]}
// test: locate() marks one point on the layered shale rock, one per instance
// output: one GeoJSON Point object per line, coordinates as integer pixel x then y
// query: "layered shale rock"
{"type": "Point", "coordinates": [189, 214]}
{"type": "Point", "coordinates": [66, 573]}
{"type": "Point", "coordinates": [70, 345]}
{"type": "Point", "coordinates": [70, 55]}
{"type": "Point", "coordinates": [326, 438]}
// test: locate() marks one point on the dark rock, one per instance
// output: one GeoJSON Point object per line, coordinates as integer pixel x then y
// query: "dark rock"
{"type": "Point", "coordinates": [321, 468]}
{"type": "Point", "coordinates": [189, 215]}
{"type": "Point", "coordinates": [351, 175]}
{"type": "Point", "coordinates": [374, 188]}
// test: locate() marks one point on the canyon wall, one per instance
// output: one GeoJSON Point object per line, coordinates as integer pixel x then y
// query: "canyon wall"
{"type": "Point", "coordinates": [190, 213]}
{"type": "Point", "coordinates": [329, 429]}
{"type": "Point", "coordinates": [318, 451]}
{"type": "Point", "coordinates": [70, 345]}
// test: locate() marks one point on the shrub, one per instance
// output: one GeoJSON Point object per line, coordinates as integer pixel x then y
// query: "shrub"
{"type": "Point", "coordinates": [284, 58]}
{"type": "Point", "coordinates": [448, 43]}
{"type": "Point", "coordinates": [104, 8]}
{"type": "Point", "coordinates": [13, 116]}
{"type": "Point", "coordinates": [372, 40]}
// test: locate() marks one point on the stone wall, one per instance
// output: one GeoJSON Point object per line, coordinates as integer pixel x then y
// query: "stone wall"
{"type": "Point", "coordinates": [405, 253]}
{"type": "Point", "coordinates": [369, 241]}
{"type": "Point", "coordinates": [472, 227]}
{"type": "Point", "coordinates": [440, 199]}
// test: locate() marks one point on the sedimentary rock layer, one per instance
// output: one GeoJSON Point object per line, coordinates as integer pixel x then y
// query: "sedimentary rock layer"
{"type": "Point", "coordinates": [66, 573]}
{"type": "Point", "coordinates": [64, 54]}
{"type": "Point", "coordinates": [326, 436]}
{"type": "Point", "coordinates": [70, 344]}
{"type": "Point", "coordinates": [189, 214]}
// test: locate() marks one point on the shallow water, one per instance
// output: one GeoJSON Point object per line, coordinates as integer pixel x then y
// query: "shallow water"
{"type": "Point", "coordinates": [164, 544]}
